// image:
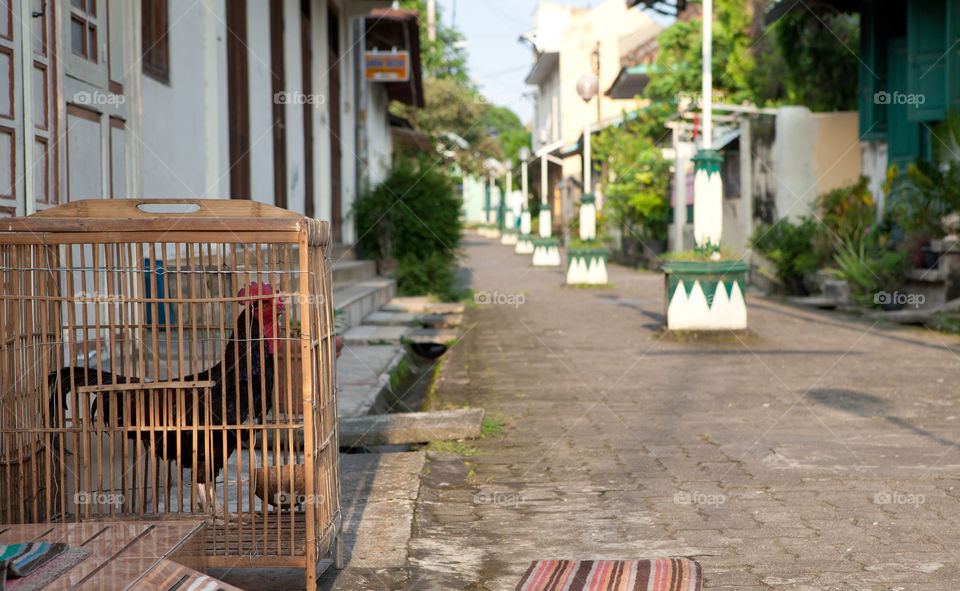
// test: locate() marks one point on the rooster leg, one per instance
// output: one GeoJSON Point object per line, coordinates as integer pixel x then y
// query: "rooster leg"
{"type": "Point", "coordinates": [208, 501]}
{"type": "Point", "coordinates": [208, 498]}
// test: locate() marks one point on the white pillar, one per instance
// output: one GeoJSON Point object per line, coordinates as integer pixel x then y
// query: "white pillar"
{"type": "Point", "coordinates": [588, 207]}
{"type": "Point", "coordinates": [545, 222]}
{"type": "Point", "coordinates": [679, 192]}
{"type": "Point", "coordinates": [509, 222]}
{"type": "Point", "coordinates": [746, 178]}
{"type": "Point", "coordinates": [706, 81]}
{"type": "Point", "coordinates": [707, 185]}
{"type": "Point", "coordinates": [524, 207]}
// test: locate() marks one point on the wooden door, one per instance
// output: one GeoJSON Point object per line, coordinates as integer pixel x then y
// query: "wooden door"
{"type": "Point", "coordinates": [97, 110]}
{"type": "Point", "coordinates": [28, 114]}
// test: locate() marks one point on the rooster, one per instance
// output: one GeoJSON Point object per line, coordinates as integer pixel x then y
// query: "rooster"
{"type": "Point", "coordinates": [247, 363]}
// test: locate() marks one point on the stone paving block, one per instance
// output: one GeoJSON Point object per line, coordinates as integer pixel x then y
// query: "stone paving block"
{"type": "Point", "coordinates": [799, 427]}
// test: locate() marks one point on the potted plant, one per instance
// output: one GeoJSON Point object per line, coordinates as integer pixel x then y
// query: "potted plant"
{"type": "Point", "coordinates": [705, 290]}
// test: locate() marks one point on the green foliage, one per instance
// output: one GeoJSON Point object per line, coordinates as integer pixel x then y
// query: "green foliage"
{"type": "Point", "coordinates": [430, 274]}
{"type": "Point", "coordinates": [703, 252]}
{"type": "Point", "coordinates": [792, 247]}
{"type": "Point", "coordinates": [493, 425]}
{"type": "Point", "coordinates": [869, 268]}
{"type": "Point", "coordinates": [920, 196]}
{"type": "Point", "coordinates": [401, 373]}
{"type": "Point", "coordinates": [637, 195]}
{"type": "Point", "coordinates": [490, 131]}
{"type": "Point", "coordinates": [503, 124]}
{"type": "Point", "coordinates": [455, 106]}
{"type": "Point", "coordinates": [441, 58]}
{"type": "Point", "coordinates": [819, 53]}
{"type": "Point", "coordinates": [412, 217]}
{"type": "Point", "coordinates": [801, 59]}
{"type": "Point", "coordinates": [847, 212]}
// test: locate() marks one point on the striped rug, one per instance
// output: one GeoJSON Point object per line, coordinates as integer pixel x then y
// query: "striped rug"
{"type": "Point", "coordinates": [662, 574]}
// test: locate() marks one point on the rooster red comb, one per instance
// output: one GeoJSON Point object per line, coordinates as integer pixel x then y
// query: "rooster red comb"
{"type": "Point", "coordinates": [254, 290]}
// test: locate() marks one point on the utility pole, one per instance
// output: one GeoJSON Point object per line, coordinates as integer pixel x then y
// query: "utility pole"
{"type": "Point", "coordinates": [431, 20]}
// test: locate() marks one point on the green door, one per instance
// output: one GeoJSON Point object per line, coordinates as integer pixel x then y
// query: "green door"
{"type": "Point", "coordinates": [903, 134]}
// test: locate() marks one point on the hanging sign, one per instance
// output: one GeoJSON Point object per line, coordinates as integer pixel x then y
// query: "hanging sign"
{"type": "Point", "coordinates": [387, 66]}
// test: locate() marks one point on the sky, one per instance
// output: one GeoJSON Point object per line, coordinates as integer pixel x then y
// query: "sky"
{"type": "Point", "coordinates": [498, 61]}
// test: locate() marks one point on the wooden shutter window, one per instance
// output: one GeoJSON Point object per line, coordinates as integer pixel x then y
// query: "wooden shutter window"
{"type": "Point", "coordinates": [156, 50]}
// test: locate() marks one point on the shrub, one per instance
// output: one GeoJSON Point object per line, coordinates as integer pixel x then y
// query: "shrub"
{"type": "Point", "coordinates": [432, 274]}
{"type": "Point", "coordinates": [792, 247]}
{"type": "Point", "coordinates": [847, 212]}
{"type": "Point", "coordinates": [869, 269]}
{"type": "Point", "coordinates": [412, 217]}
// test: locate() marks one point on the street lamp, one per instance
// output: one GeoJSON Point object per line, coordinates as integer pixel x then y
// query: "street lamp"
{"type": "Point", "coordinates": [508, 236]}
{"type": "Point", "coordinates": [587, 89]}
{"type": "Point", "coordinates": [524, 240]}
{"type": "Point", "coordinates": [587, 262]}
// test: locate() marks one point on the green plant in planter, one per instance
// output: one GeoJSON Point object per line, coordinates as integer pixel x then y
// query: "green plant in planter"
{"type": "Point", "coordinates": [793, 248]}
{"type": "Point", "coordinates": [870, 269]}
{"type": "Point", "coordinates": [928, 191]}
{"type": "Point", "coordinates": [704, 252]}
{"type": "Point", "coordinates": [639, 181]}
{"type": "Point", "coordinates": [847, 212]}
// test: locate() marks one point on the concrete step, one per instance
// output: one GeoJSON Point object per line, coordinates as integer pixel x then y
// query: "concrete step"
{"type": "Point", "coordinates": [345, 272]}
{"type": "Point", "coordinates": [356, 300]}
{"type": "Point", "coordinates": [409, 318]}
{"type": "Point", "coordinates": [370, 334]}
{"type": "Point", "coordinates": [411, 427]}
{"type": "Point", "coordinates": [422, 305]}
{"type": "Point", "coordinates": [363, 374]}
{"type": "Point", "coordinates": [343, 252]}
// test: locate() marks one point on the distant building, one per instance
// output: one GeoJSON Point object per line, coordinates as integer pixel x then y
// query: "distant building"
{"type": "Point", "coordinates": [567, 43]}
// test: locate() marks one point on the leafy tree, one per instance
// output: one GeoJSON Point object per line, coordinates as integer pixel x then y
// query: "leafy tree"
{"type": "Point", "coordinates": [504, 125]}
{"type": "Point", "coordinates": [820, 63]}
{"type": "Point", "coordinates": [455, 106]}
{"type": "Point", "coordinates": [803, 58]}
{"type": "Point", "coordinates": [443, 58]}
{"type": "Point", "coordinates": [637, 194]}
{"type": "Point", "coordinates": [455, 109]}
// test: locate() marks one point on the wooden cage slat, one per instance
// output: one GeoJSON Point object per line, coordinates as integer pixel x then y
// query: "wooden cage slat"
{"type": "Point", "coordinates": [135, 445]}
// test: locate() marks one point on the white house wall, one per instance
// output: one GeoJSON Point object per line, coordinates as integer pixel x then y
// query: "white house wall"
{"type": "Point", "coordinates": [293, 111]}
{"type": "Point", "coordinates": [261, 101]}
{"type": "Point", "coordinates": [348, 128]}
{"type": "Point", "coordinates": [380, 142]}
{"type": "Point", "coordinates": [321, 131]}
{"type": "Point", "coordinates": [174, 139]}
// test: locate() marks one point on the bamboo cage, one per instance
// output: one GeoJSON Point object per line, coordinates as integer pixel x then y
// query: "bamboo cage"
{"type": "Point", "coordinates": [151, 353]}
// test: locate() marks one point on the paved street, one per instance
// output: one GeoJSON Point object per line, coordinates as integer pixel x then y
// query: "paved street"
{"type": "Point", "coordinates": [818, 453]}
